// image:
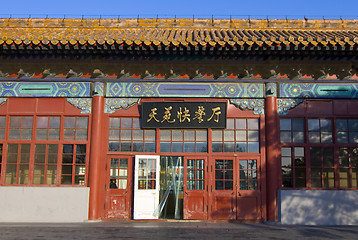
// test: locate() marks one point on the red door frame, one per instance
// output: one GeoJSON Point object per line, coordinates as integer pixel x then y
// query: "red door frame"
{"type": "Point", "coordinates": [195, 204]}
{"type": "Point", "coordinates": [119, 201]}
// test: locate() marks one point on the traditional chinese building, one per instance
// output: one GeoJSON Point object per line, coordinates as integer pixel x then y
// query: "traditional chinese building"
{"type": "Point", "coordinates": [247, 120]}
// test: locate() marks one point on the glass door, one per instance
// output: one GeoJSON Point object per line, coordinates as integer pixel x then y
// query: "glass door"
{"type": "Point", "coordinates": [146, 187]}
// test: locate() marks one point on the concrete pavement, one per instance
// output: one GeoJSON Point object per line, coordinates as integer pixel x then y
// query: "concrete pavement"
{"type": "Point", "coordinates": [172, 230]}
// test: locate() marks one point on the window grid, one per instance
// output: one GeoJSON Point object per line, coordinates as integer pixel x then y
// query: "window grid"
{"type": "Point", "coordinates": [1, 149]}
{"type": "Point", "coordinates": [195, 174]}
{"type": "Point", "coordinates": [20, 128]}
{"type": "Point", "coordinates": [118, 173]}
{"type": "Point", "coordinates": [292, 130]}
{"type": "Point", "coordinates": [224, 174]}
{"type": "Point", "coordinates": [322, 167]}
{"type": "Point", "coordinates": [45, 164]}
{"type": "Point", "coordinates": [240, 135]}
{"type": "Point", "coordinates": [248, 175]}
{"type": "Point", "coordinates": [17, 164]}
{"type": "Point", "coordinates": [183, 140]}
{"type": "Point", "coordinates": [319, 130]}
{"type": "Point", "coordinates": [125, 135]}
{"type": "Point", "coordinates": [76, 128]}
{"type": "Point", "coordinates": [147, 174]}
{"type": "Point", "coordinates": [293, 164]}
{"type": "Point", "coordinates": [73, 164]}
{"type": "Point", "coordinates": [347, 131]}
{"type": "Point", "coordinates": [2, 127]}
{"type": "Point", "coordinates": [48, 128]}
{"type": "Point", "coordinates": [348, 167]}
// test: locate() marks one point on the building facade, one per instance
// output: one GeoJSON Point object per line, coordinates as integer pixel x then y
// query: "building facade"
{"type": "Point", "coordinates": [243, 120]}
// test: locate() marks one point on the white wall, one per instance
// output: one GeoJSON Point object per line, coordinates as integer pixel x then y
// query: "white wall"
{"type": "Point", "coordinates": [318, 207]}
{"type": "Point", "coordinates": [44, 204]}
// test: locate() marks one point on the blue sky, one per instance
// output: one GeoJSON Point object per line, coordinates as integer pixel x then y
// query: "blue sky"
{"type": "Point", "coordinates": [184, 8]}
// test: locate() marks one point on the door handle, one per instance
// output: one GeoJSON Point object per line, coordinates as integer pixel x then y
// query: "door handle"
{"type": "Point", "coordinates": [239, 194]}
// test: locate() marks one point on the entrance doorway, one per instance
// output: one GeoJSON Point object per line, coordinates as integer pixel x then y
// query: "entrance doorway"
{"type": "Point", "coordinates": [158, 188]}
{"type": "Point", "coordinates": [236, 190]}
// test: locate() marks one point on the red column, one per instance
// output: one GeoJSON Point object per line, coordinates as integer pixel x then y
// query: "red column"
{"type": "Point", "coordinates": [95, 158]}
{"type": "Point", "coordinates": [272, 156]}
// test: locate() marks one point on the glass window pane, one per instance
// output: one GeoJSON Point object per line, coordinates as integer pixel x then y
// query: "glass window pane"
{"type": "Point", "coordinates": [328, 158]}
{"type": "Point", "coordinates": [241, 136]}
{"type": "Point", "coordinates": [55, 122]}
{"type": "Point", "coordinates": [177, 135]}
{"type": "Point", "coordinates": [342, 137]}
{"type": "Point", "coordinates": [165, 147]}
{"type": "Point", "coordinates": [241, 147]}
{"type": "Point", "coordinates": [69, 134]}
{"type": "Point", "coordinates": [253, 123]}
{"type": "Point", "coordinates": [126, 134]}
{"type": "Point", "coordinates": [41, 134]}
{"type": "Point", "coordinates": [314, 137]}
{"type": "Point", "coordinates": [42, 122]}
{"type": "Point", "coordinates": [217, 135]}
{"type": "Point", "coordinates": [326, 125]}
{"type": "Point", "coordinates": [285, 124]}
{"type": "Point", "coordinates": [298, 137]}
{"type": "Point", "coordinates": [353, 124]}
{"type": "Point", "coordinates": [189, 147]}
{"type": "Point", "coordinates": [15, 122]}
{"type": "Point", "coordinates": [149, 135]}
{"type": "Point", "coordinates": [297, 124]}
{"type": "Point", "coordinates": [313, 125]}
{"type": "Point", "coordinates": [189, 135]}
{"type": "Point", "coordinates": [253, 147]}
{"type": "Point", "coordinates": [230, 123]}
{"type": "Point", "coordinates": [165, 135]}
{"type": "Point", "coordinates": [177, 147]}
{"type": "Point", "coordinates": [286, 152]}
{"type": "Point", "coordinates": [286, 161]}
{"type": "Point", "coordinates": [27, 122]}
{"type": "Point", "coordinates": [326, 137]}
{"type": "Point", "coordinates": [341, 125]}
{"type": "Point", "coordinates": [201, 147]}
{"type": "Point", "coordinates": [229, 135]}
{"type": "Point", "coordinates": [54, 134]}
{"type": "Point", "coordinates": [136, 123]}
{"type": "Point", "coordinates": [253, 136]}
{"type": "Point", "coordinates": [201, 135]}
{"type": "Point", "coordinates": [353, 137]}
{"type": "Point", "coordinates": [240, 123]}
{"type": "Point", "coordinates": [26, 134]}
{"type": "Point", "coordinates": [126, 123]}
{"type": "Point", "coordinates": [114, 122]}
{"type": "Point", "coordinates": [70, 122]}
{"type": "Point", "coordinates": [285, 136]}
{"type": "Point", "coordinates": [138, 135]}
{"type": "Point", "coordinates": [2, 122]}
{"type": "Point", "coordinates": [82, 122]}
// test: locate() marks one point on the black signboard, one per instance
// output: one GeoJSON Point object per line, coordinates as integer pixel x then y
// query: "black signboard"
{"type": "Point", "coordinates": [184, 114]}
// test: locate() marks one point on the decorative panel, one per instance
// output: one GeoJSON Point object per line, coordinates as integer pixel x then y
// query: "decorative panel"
{"type": "Point", "coordinates": [283, 105]}
{"type": "Point", "coordinates": [114, 104]}
{"type": "Point", "coordinates": [318, 90]}
{"type": "Point", "coordinates": [256, 105]}
{"type": "Point", "coordinates": [84, 104]}
{"type": "Point", "coordinates": [159, 89]}
{"type": "Point", "coordinates": [45, 89]}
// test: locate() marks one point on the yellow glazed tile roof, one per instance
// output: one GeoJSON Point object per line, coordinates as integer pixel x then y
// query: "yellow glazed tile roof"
{"type": "Point", "coordinates": [175, 32]}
